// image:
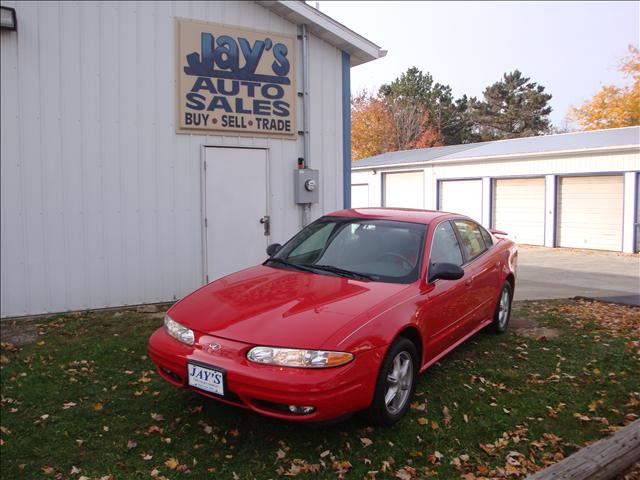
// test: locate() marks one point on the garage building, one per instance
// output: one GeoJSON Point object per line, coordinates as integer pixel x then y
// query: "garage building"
{"type": "Point", "coordinates": [575, 190]}
{"type": "Point", "coordinates": [150, 147]}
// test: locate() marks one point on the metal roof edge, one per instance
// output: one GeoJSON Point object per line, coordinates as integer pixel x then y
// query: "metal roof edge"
{"type": "Point", "coordinates": [553, 153]}
{"type": "Point", "coordinates": [360, 49]}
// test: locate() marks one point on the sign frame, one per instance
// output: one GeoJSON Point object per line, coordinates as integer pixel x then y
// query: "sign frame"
{"type": "Point", "coordinates": [221, 131]}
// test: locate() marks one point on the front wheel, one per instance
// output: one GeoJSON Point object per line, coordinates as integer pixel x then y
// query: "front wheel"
{"type": "Point", "coordinates": [395, 384]}
{"type": "Point", "coordinates": [503, 309]}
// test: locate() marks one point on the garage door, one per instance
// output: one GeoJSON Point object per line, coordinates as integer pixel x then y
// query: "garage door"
{"type": "Point", "coordinates": [462, 196]}
{"type": "Point", "coordinates": [590, 212]}
{"type": "Point", "coordinates": [404, 190]}
{"type": "Point", "coordinates": [518, 209]}
{"type": "Point", "coordinates": [359, 195]}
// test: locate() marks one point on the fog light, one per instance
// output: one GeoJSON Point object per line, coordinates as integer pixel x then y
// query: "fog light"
{"type": "Point", "coordinates": [301, 410]}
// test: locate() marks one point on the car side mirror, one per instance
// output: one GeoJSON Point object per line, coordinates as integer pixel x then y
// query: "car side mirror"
{"type": "Point", "coordinates": [273, 249]}
{"type": "Point", "coordinates": [445, 271]}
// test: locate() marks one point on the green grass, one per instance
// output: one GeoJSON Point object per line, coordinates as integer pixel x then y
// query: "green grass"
{"type": "Point", "coordinates": [508, 387]}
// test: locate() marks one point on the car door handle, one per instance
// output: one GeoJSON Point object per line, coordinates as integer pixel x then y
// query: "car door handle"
{"type": "Point", "coordinates": [468, 281]}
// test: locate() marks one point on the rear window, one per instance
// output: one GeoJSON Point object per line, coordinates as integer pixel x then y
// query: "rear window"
{"type": "Point", "coordinates": [471, 236]}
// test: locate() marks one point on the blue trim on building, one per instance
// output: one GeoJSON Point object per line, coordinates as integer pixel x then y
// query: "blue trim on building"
{"type": "Point", "coordinates": [636, 206]}
{"type": "Point", "coordinates": [346, 129]}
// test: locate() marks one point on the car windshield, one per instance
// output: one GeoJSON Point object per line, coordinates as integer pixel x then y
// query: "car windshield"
{"type": "Point", "coordinates": [377, 250]}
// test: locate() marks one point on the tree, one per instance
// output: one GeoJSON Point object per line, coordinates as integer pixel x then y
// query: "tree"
{"type": "Point", "coordinates": [416, 93]}
{"type": "Point", "coordinates": [512, 107]}
{"type": "Point", "coordinates": [613, 106]}
{"type": "Point", "coordinates": [411, 126]}
{"type": "Point", "coordinates": [372, 131]}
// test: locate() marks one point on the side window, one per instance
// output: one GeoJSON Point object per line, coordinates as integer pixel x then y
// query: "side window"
{"type": "Point", "coordinates": [488, 241]}
{"type": "Point", "coordinates": [471, 237]}
{"type": "Point", "coordinates": [445, 247]}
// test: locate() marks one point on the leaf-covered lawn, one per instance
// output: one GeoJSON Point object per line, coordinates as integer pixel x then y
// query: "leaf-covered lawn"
{"type": "Point", "coordinates": [83, 401]}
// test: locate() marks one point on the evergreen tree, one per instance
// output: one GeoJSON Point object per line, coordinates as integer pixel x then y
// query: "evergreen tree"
{"type": "Point", "coordinates": [512, 107]}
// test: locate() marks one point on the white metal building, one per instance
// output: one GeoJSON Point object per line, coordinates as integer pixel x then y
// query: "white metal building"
{"type": "Point", "coordinates": [143, 143]}
{"type": "Point", "coordinates": [576, 190]}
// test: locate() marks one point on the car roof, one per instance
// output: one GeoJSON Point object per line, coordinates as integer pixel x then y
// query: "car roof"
{"type": "Point", "coordinates": [398, 214]}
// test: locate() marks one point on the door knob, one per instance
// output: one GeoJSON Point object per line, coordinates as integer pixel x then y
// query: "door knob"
{"type": "Point", "coordinates": [266, 222]}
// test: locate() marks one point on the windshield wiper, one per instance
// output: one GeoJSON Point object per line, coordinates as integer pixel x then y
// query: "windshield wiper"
{"type": "Point", "coordinates": [342, 272]}
{"type": "Point", "coordinates": [303, 268]}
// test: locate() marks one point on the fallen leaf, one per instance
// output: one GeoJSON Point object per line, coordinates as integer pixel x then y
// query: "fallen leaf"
{"type": "Point", "coordinates": [172, 463]}
{"type": "Point", "coordinates": [47, 470]}
{"type": "Point", "coordinates": [447, 415]}
{"type": "Point", "coordinates": [406, 473]}
{"type": "Point", "coordinates": [366, 442]}
{"type": "Point", "coordinates": [131, 444]}
{"type": "Point", "coordinates": [97, 407]}
{"type": "Point", "coordinates": [157, 417]}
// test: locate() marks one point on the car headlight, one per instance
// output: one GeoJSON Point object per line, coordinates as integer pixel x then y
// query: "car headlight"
{"type": "Point", "coordinates": [177, 331]}
{"type": "Point", "coordinates": [290, 357]}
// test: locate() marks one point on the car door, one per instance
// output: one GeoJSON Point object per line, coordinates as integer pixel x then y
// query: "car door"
{"type": "Point", "coordinates": [482, 269]}
{"type": "Point", "coordinates": [445, 303]}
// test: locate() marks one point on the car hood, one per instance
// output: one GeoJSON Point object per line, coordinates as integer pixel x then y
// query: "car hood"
{"type": "Point", "coordinates": [277, 307]}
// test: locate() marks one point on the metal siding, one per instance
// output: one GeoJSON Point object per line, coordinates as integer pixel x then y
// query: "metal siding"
{"type": "Point", "coordinates": [101, 200]}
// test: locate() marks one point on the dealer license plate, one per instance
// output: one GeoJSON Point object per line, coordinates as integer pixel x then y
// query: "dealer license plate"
{"type": "Point", "coordinates": [206, 378]}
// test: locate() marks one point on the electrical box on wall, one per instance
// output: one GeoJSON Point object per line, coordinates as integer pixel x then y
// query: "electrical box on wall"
{"type": "Point", "coordinates": [306, 189]}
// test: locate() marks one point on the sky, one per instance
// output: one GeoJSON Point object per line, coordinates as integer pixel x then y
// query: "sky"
{"type": "Point", "coordinates": [571, 48]}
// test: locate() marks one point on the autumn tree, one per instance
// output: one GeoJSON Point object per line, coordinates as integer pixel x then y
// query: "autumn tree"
{"type": "Point", "coordinates": [614, 106]}
{"type": "Point", "coordinates": [512, 107]}
{"type": "Point", "coordinates": [380, 124]}
{"type": "Point", "coordinates": [410, 125]}
{"type": "Point", "coordinates": [372, 131]}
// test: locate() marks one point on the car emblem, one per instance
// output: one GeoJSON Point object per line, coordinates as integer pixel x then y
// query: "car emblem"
{"type": "Point", "coordinates": [213, 347]}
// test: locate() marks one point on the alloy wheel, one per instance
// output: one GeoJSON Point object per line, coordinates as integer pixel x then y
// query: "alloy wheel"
{"type": "Point", "coordinates": [399, 383]}
{"type": "Point", "coordinates": [504, 307]}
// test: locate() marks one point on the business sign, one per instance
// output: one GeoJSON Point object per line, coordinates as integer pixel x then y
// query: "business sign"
{"type": "Point", "coordinates": [235, 80]}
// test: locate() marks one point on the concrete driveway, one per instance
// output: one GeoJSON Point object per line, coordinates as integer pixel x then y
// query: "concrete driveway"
{"type": "Point", "coordinates": [546, 273]}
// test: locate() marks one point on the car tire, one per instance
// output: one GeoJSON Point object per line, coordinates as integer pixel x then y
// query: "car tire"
{"type": "Point", "coordinates": [502, 313]}
{"type": "Point", "coordinates": [387, 408]}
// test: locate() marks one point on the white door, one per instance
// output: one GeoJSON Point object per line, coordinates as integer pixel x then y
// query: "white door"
{"type": "Point", "coordinates": [404, 189]}
{"type": "Point", "coordinates": [518, 209]}
{"type": "Point", "coordinates": [463, 197]}
{"type": "Point", "coordinates": [590, 212]}
{"type": "Point", "coordinates": [235, 202]}
{"type": "Point", "coordinates": [359, 195]}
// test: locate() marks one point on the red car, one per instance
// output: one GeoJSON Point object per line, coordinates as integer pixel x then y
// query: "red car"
{"type": "Point", "coordinates": [342, 317]}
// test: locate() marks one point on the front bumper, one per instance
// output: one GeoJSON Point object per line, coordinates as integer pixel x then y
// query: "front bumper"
{"type": "Point", "coordinates": [268, 389]}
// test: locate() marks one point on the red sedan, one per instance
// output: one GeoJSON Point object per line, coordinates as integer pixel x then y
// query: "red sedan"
{"type": "Point", "coordinates": [342, 317]}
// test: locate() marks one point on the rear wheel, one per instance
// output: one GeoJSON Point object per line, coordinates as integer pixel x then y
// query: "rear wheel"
{"type": "Point", "coordinates": [503, 309]}
{"type": "Point", "coordinates": [395, 384]}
